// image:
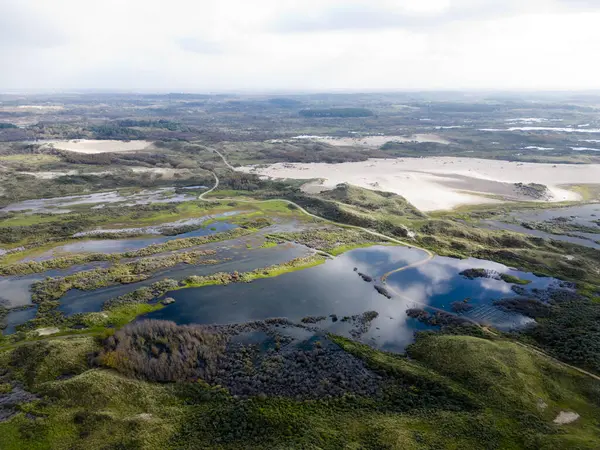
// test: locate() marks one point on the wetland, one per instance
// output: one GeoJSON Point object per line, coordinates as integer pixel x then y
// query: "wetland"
{"type": "Point", "coordinates": [318, 271]}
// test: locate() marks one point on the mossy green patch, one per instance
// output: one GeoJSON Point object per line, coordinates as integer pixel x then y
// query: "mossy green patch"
{"type": "Point", "coordinates": [513, 279]}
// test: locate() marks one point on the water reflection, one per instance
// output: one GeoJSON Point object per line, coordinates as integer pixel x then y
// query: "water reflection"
{"type": "Point", "coordinates": [240, 259]}
{"type": "Point", "coordinates": [439, 284]}
{"type": "Point", "coordinates": [335, 288]}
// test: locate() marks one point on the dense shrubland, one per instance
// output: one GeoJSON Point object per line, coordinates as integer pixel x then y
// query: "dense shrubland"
{"type": "Point", "coordinates": [163, 351]}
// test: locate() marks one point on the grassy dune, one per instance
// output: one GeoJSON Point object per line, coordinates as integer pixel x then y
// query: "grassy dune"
{"type": "Point", "coordinates": [507, 397]}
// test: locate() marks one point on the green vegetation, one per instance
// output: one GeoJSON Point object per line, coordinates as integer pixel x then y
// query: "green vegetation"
{"type": "Point", "coordinates": [51, 289]}
{"type": "Point", "coordinates": [560, 226]}
{"type": "Point", "coordinates": [454, 392]}
{"type": "Point", "coordinates": [588, 192]}
{"type": "Point", "coordinates": [101, 382]}
{"type": "Point", "coordinates": [334, 241]}
{"type": "Point", "coordinates": [296, 264]}
{"type": "Point", "coordinates": [513, 279]}
{"type": "Point", "coordinates": [568, 329]}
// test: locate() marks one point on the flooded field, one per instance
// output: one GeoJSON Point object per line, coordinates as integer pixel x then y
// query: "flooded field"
{"type": "Point", "coordinates": [345, 295]}
{"type": "Point", "coordinates": [59, 205]}
{"type": "Point", "coordinates": [15, 290]}
{"type": "Point", "coordinates": [582, 215]}
{"type": "Point", "coordinates": [124, 245]}
{"type": "Point", "coordinates": [497, 225]}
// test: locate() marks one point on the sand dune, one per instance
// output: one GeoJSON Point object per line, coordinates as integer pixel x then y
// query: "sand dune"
{"type": "Point", "coordinates": [92, 146]}
{"type": "Point", "coordinates": [442, 182]}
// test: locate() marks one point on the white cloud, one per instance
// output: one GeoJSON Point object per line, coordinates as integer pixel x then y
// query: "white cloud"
{"type": "Point", "coordinates": [201, 45]}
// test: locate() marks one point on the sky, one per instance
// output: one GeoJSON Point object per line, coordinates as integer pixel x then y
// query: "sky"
{"type": "Point", "coordinates": [299, 45]}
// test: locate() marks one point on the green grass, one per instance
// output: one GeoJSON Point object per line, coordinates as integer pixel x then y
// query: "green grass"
{"type": "Point", "coordinates": [118, 316]}
{"type": "Point", "coordinates": [503, 383]}
{"type": "Point", "coordinates": [513, 279]}
{"type": "Point", "coordinates": [588, 192]}
{"type": "Point", "coordinates": [294, 265]}
{"type": "Point", "coordinates": [336, 251]}
{"type": "Point", "coordinates": [334, 240]}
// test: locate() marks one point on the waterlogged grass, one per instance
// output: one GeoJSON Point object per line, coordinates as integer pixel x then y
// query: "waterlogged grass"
{"type": "Point", "coordinates": [247, 277]}
{"type": "Point", "coordinates": [176, 244]}
{"type": "Point", "coordinates": [50, 289]}
{"type": "Point", "coordinates": [333, 240]}
{"type": "Point", "coordinates": [336, 251]}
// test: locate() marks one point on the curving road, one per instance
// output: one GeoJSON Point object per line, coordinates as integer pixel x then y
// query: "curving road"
{"type": "Point", "coordinates": [384, 277]}
{"type": "Point", "coordinates": [201, 197]}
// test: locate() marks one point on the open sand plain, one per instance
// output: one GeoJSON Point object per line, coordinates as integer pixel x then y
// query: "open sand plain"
{"type": "Point", "coordinates": [91, 146]}
{"type": "Point", "coordinates": [441, 182]}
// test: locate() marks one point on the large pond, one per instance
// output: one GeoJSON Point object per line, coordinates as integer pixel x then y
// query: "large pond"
{"type": "Point", "coordinates": [233, 258]}
{"type": "Point", "coordinates": [336, 288]}
{"type": "Point", "coordinates": [348, 285]}
{"type": "Point", "coordinates": [241, 254]}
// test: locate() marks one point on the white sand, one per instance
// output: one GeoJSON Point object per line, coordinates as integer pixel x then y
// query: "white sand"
{"type": "Point", "coordinates": [440, 182]}
{"type": "Point", "coordinates": [91, 146]}
{"type": "Point", "coordinates": [374, 141]}
{"type": "Point", "coordinates": [565, 417]}
{"type": "Point", "coordinates": [47, 331]}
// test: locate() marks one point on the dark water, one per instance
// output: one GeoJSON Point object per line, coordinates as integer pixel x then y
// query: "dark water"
{"type": "Point", "coordinates": [15, 290]}
{"type": "Point", "coordinates": [241, 259]}
{"type": "Point", "coordinates": [18, 317]}
{"type": "Point", "coordinates": [335, 288]}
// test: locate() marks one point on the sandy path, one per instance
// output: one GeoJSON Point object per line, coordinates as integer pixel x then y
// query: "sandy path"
{"type": "Point", "coordinates": [440, 182]}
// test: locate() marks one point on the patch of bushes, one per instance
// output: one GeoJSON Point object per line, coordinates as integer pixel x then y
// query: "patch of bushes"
{"type": "Point", "coordinates": [163, 351]}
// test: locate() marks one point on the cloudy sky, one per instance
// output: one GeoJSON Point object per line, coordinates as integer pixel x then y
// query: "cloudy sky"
{"type": "Point", "coordinates": [200, 45]}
